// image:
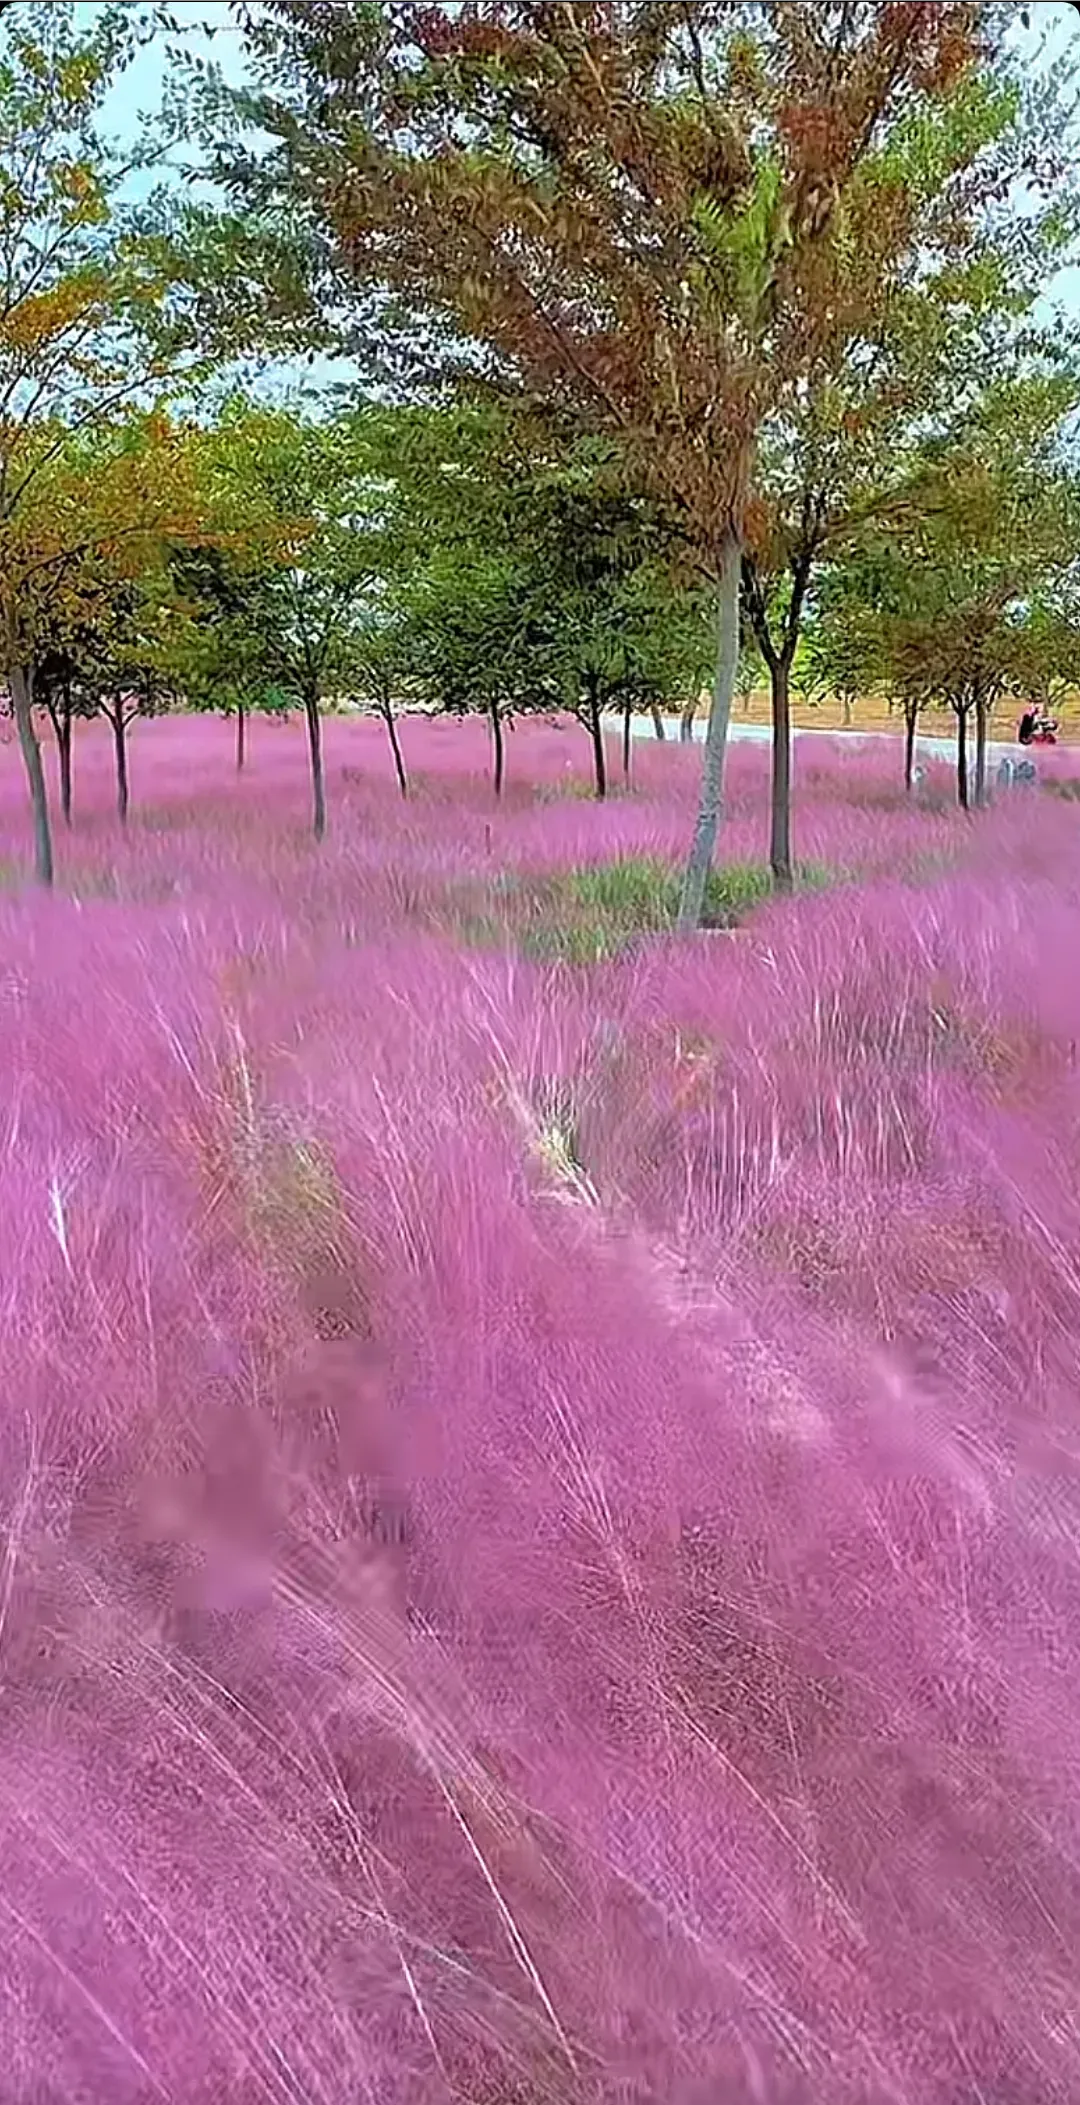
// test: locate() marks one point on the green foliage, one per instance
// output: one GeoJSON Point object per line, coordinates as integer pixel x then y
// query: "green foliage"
{"type": "Point", "coordinates": [297, 508]}
{"type": "Point", "coordinates": [115, 287]}
{"type": "Point", "coordinates": [935, 140]}
{"type": "Point", "coordinates": [743, 249]}
{"type": "Point", "coordinates": [527, 579]}
{"type": "Point", "coordinates": [965, 595]}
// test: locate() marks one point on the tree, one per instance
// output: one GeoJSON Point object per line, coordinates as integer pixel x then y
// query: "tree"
{"type": "Point", "coordinates": [657, 219]}
{"type": "Point", "coordinates": [476, 642]}
{"type": "Point", "coordinates": [90, 523]}
{"type": "Point", "coordinates": [56, 676]}
{"type": "Point", "coordinates": [109, 299]}
{"type": "Point", "coordinates": [544, 583]}
{"type": "Point", "coordinates": [209, 651]}
{"type": "Point", "coordinates": [943, 608]}
{"type": "Point", "coordinates": [835, 452]}
{"type": "Point", "coordinates": [615, 624]}
{"type": "Point", "coordinates": [632, 642]}
{"type": "Point", "coordinates": [849, 645]}
{"type": "Point", "coordinates": [668, 662]}
{"type": "Point", "coordinates": [315, 496]}
{"type": "Point", "coordinates": [383, 659]}
{"type": "Point", "coordinates": [1046, 647]}
{"type": "Point", "coordinates": [121, 663]}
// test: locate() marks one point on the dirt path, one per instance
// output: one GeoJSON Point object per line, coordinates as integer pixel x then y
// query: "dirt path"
{"type": "Point", "coordinates": [870, 716]}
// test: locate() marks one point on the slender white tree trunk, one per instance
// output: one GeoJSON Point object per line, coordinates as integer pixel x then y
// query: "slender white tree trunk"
{"type": "Point", "coordinates": [710, 807]}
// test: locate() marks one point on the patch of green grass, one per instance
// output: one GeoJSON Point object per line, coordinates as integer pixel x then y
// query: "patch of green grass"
{"type": "Point", "coordinates": [581, 916]}
{"type": "Point", "coordinates": [593, 913]}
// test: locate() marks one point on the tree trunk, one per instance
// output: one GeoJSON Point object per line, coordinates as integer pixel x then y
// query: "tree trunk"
{"type": "Point", "coordinates": [845, 704]}
{"type": "Point", "coordinates": [780, 830]}
{"type": "Point", "coordinates": [658, 722]}
{"type": "Point", "coordinates": [596, 733]}
{"type": "Point", "coordinates": [497, 740]}
{"type": "Point", "coordinates": [318, 779]}
{"type": "Point", "coordinates": [21, 682]}
{"type": "Point", "coordinates": [961, 759]}
{"type": "Point", "coordinates": [686, 723]}
{"type": "Point", "coordinates": [626, 722]}
{"type": "Point", "coordinates": [710, 806]}
{"type": "Point", "coordinates": [395, 747]}
{"type": "Point", "coordinates": [61, 716]}
{"type": "Point", "coordinates": [911, 729]}
{"type": "Point", "coordinates": [241, 737]}
{"type": "Point", "coordinates": [119, 732]}
{"type": "Point", "coordinates": [63, 727]}
{"type": "Point", "coordinates": [980, 752]}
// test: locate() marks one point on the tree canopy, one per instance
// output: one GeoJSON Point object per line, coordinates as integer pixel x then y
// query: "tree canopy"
{"type": "Point", "coordinates": [720, 239]}
{"type": "Point", "coordinates": [684, 337]}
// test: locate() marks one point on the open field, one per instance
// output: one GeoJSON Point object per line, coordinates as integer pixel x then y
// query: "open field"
{"type": "Point", "coordinates": [540, 1475]}
{"type": "Point", "coordinates": [829, 714]}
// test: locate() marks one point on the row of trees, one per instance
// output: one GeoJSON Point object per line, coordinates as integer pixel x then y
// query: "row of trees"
{"type": "Point", "coordinates": [697, 333]}
{"type": "Point", "coordinates": [381, 556]}
{"type": "Point", "coordinates": [772, 255]}
{"type": "Point", "coordinates": [393, 557]}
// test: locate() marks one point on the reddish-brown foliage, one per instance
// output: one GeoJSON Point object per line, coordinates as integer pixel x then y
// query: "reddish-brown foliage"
{"type": "Point", "coordinates": [569, 188]}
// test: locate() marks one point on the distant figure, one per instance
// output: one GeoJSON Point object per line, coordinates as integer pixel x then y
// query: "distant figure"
{"type": "Point", "coordinates": [1026, 732]}
{"type": "Point", "coordinates": [1045, 731]}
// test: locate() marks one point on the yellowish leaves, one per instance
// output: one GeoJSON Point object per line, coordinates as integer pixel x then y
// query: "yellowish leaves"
{"type": "Point", "coordinates": [77, 77]}
{"type": "Point", "coordinates": [75, 182]}
{"type": "Point", "coordinates": [32, 59]}
{"type": "Point", "coordinates": [40, 319]}
{"type": "Point", "coordinates": [95, 515]}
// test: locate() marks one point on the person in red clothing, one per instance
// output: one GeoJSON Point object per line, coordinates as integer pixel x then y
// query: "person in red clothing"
{"type": "Point", "coordinates": [1037, 729]}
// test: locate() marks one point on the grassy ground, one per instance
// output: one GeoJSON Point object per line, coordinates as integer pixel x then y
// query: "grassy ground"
{"type": "Point", "coordinates": [540, 1468]}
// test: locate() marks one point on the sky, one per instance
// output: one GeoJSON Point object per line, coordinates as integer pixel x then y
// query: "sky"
{"type": "Point", "coordinates": [210, 27]}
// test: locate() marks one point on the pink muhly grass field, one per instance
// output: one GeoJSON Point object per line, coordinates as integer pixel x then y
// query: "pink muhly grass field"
{"type": "Point", "coordinates": [540, 1502]}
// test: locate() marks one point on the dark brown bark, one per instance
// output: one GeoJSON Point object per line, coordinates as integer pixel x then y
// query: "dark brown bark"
{"type": "Point", "coordinates": [390, 721]}
{"type": "Point", "coordinates": [497, 741]}
{"type": "Point", "coordinates": [63, 748]}
{"type": "Point", "coordinates": [21, 682]}
{"type": "Point", "coordinates": [626, 724]}
{"type": "Point", "coordinates": [961, 758]}
{"type": "Point", "coordinates": [315, 754]}
{"type": "Point", "coordinates": [119, 732]}
{"type": "Point", "coordinates": [241, 737]}
{"type": "Point", "coordinates": [981, 727]}
{"type": "Point", "coordinates": [61, 712]}
{"type": "Point", "coordinates": [779, 657]}
{"type": "Point", "coordinates": [686, 723]}
{"type": "Point", "coordinates": [658, 723]}
{"type": "Point", "coordinates": [596, 733]}
{"type": "Point", "coordinates": [780, 823]}
{"type": "Point", "coordinates": [911, 728]}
